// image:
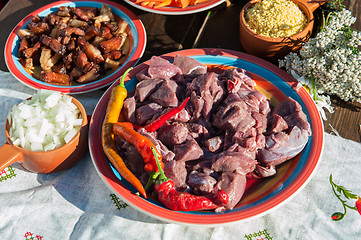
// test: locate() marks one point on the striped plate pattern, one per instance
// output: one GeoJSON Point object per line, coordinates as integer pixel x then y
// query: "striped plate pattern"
{"type": "Point", "coordinates": [177, 10]}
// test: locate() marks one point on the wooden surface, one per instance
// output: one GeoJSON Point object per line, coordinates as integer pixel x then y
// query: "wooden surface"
{"type": "Point", "coordinates": [220, 29]}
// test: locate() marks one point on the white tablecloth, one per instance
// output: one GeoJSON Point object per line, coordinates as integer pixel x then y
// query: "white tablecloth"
{"type": "Point", "coordinates": [76, 204]}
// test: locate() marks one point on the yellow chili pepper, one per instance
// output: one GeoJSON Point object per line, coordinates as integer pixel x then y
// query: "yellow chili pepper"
{"type": "Point", "coordinates": [115, 105]}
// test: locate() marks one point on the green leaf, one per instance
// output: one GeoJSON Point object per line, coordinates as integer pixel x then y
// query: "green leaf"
{"type": "Point", "coordinates": [346, 193]}
{"type": "Point", "coordinates": [349, 195]}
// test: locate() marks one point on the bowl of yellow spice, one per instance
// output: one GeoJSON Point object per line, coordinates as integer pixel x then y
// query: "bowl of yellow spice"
{"type": "Point", "coordinates": [271, 29]}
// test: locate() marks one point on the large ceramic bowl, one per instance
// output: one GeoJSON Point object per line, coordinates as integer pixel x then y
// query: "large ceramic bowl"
{"type": "Point", "coordinates": [137, 43]}
{"type": "Point", "coordinates": [261, 196]}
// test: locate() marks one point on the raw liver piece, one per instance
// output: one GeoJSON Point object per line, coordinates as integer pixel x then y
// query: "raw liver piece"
{"type": "Point", "coordinates": [162, 68]}
{"type": "Point", "coordinates": [190, 150]}
{"type": "Point", "coordinates": [146, 87]}
{"type": "Point", "coordinates": [128, 110]}
{"type": "Point", "coordinates": [230, 113]}
{"type": "Point", "coordinates": [173, 134]}
{"type": "Point", "coordinates": [233, 161]}
{"type": "Point", "coordinates": [202, 183]}
{"type": "Point", "coordinates": [234, 185]}
{"type": "Point", "coordinates": [291, 111]}
{"type": "Point", "coordinates": [281, 147]}
{"type": "Point", "coordinates": [146, 112]}
{"type": "Point", "coordinates": [176, 170]}
{"type": "Point", "coordinates": [189, 66]}
{"type": "Point", "coordinates": [166, 94]}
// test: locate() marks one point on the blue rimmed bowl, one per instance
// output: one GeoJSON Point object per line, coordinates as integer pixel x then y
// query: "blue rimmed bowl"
{"type": "Point", "coordinates": [261, 196]}
{"type": "Point", "coordinates": [137, 43]}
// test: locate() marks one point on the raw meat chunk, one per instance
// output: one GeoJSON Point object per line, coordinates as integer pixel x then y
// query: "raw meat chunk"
{"type": "Point", "coordinates": [146, 112]}
{"type": "Point", "coordinates": [189, 66]}
{"type": "Point", "coordinates": [166, 94]}
{"type": "Point", "coordinates": [176, 170]}
{"type": "Point", "coordinates": [190, 150]}
{"type": "Point", "coordinates": [173, 134]}
{"type": "Point", "coordinates": [201, 183]}
{"type": "Point", "coordinates": [232, 161]}
{"type": "Point", "coordinates": [162, 68]}
{"type": "Point", "coordinates": [281, 146]}
{"type": "Point", "coordinates": [146, 87]}
{"type": "Point", "coordinates": [234, 185]}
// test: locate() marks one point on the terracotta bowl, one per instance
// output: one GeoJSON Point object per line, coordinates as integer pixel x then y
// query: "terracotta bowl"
{"type": "Point", "coordinates": [50, 161]}
{"type": "Point", "coordinates": [275, 48]}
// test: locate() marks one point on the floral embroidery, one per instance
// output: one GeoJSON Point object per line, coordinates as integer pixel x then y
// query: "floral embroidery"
{"type": "Point", "coordinates": [7, 173]}
{"type": "Point", "coordinates": [340, 191]}
{"type": "Point", "coordinates": [29, 236]}
{"type": "Point", "coordinates": [118, 203]}
{"type": "Point", "coordinates": [358, 204]}
{"type": "Point", "coordinates": [260, 235]}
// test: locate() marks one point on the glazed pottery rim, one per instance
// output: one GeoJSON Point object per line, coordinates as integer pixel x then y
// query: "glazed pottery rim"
{"type": "Point", "coordinates": [137, 48]}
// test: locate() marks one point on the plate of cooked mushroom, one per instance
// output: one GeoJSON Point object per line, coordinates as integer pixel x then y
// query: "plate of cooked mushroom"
{"type": "Point", "coordinates": [75, 46]}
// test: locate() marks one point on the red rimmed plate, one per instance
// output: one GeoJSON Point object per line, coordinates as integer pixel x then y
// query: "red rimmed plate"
{"type": "Point", "coordinates": [177, 10]}
{"type": "Point", "coordinates": [137, 43]}
{"type": "Point", "coordinates": [261, 196]}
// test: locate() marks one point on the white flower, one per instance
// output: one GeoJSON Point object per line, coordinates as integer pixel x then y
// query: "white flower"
{"type": "Point", "coordinates": [332, 59]}
{"type": "Point", "coordinates": [322, 102]}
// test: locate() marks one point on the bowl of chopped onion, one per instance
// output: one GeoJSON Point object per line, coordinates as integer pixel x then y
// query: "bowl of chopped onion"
{"type": "Point", "coordinates": [45, 133]}
{"type": "Point", "coordinates": [271, 29]}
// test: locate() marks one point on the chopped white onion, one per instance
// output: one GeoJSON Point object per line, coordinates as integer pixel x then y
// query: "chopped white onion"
{"type": "Point", "coordinates": [46, 121]}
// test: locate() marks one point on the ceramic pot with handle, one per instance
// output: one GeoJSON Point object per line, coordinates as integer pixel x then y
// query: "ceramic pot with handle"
{"type": "Point", "coordinates": [49, 161]}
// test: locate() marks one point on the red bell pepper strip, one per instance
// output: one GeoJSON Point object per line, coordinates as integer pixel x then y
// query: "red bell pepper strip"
{"type": "Point", "coordinates": [182, 201]}
{"type": "Point", "coordinates": [157, 123]}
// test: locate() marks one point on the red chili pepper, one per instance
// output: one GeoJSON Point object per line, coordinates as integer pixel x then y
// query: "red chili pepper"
{"type": "Point", "coordinates": [220, 197]}
{"type": "Point", "coordinates": [182, 201]}
{"type": "Point", "coordinates": [153, 126]}
{"type": "Point", "coordinates": [358, 204]}
{"type": "Point", "coordinates": [141, 143]}
{"type": "Point", "coordinates": [115, 104]}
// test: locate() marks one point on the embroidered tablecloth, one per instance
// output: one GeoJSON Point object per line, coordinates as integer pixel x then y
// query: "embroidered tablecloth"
{"type": "Point", "coordinates": [76, 204]}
